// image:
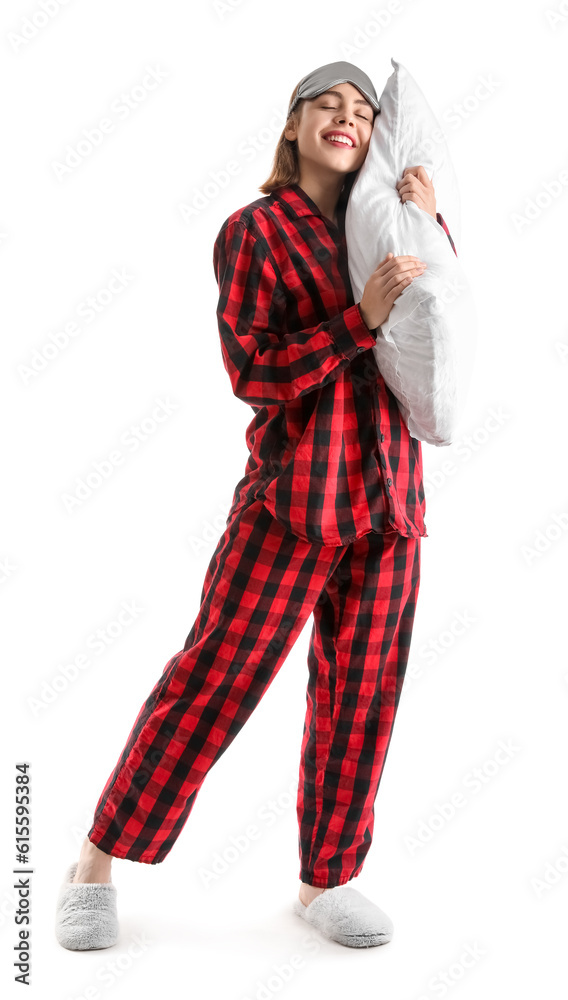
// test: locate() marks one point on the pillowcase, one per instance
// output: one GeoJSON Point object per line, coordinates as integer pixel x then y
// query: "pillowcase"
{"type": "Point", "coordinates": [425, 349]}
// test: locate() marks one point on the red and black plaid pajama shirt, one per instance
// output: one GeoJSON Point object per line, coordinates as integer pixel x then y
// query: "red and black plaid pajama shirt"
{"type": "Point", "coordinates": [326, 521]}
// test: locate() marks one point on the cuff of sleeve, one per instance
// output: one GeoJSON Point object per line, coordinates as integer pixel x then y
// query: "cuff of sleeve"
{"type": "Point", "coordinates": [350, 333]}
{"type": "Point", "coordinates": [442, 222]}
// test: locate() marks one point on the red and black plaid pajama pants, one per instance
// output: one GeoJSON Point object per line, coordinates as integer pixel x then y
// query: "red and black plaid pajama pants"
{"type": "Point", "coordinates": [261, 585]}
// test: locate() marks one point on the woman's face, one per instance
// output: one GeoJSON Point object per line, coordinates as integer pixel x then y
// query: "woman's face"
{"type": "Point", "coordinates": [341, 109]}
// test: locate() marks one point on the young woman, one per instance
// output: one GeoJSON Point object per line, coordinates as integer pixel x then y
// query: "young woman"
{"type": "Point", "coordinates": [327, 520]}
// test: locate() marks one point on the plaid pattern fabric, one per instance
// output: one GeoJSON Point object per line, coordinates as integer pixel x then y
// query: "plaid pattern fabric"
{"type": "Point", "coordinates": [261, 585]}
{"type": "Point", "coordinates": [329, 452]}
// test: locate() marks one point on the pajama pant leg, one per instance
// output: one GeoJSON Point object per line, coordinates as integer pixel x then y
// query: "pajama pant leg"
{"type": "Point", "coordinates": [357, 659]}
{"type": "Point", "coordinates": [261, 586]}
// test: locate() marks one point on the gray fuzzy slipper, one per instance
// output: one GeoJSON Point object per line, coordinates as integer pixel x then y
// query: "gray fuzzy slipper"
{"type": "Point", "coordinates": [347, 916]}
{"type": "Point", "coordinates": [86, 914]}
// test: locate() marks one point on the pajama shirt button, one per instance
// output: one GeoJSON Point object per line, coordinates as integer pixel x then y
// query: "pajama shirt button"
{"type": "Point", "coordinates": [389, 482]}
{"type": "Point", "coordinates": [382, 437]}
{"type": "Point", "coordinates": [359, 349]}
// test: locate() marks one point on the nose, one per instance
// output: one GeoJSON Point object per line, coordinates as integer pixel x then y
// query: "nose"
{"type": "Point", "coordinates": [345, 121]}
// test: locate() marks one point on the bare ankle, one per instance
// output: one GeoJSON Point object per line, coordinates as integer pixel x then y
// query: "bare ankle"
{"type": "Point", "coordinates": [309, 892]}
{"type": "Point", "coordinates": [93, 865]}
{"type": "Point", "coordinates": [91, 851]}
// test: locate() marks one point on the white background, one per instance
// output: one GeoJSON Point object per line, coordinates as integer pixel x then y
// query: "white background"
{"type": "Point", "coordinates": [494, 554]}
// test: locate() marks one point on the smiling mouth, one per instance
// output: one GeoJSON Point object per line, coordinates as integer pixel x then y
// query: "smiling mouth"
{"type": "Point", "coordinates": [340, 142]}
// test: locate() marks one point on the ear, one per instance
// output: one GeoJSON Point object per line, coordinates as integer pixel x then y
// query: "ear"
{"type": "Point", "coordinates": [290, 130]}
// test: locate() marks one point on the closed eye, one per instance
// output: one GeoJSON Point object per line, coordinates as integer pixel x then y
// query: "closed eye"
{"type": "Point", "coordinates": [327, 107]}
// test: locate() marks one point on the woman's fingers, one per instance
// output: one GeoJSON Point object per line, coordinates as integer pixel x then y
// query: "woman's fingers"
{"type": "Point", "coordinates": [404, 262]}
{"type": "Point", "coordinates": [401, 275]}
{"type": "Point", "coordinates": [401, 270]}
{"type": "Point", "coordinates": [386, 283]}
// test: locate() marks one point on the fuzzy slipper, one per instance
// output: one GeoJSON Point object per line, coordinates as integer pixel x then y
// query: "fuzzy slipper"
{"type": "Point", "coordinates": [347, 916]}
{"type": "Point", "coordinates": [86, 914]}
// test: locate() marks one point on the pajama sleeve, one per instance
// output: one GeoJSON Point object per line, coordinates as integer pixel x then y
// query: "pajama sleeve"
{"type": "Point", "coordinates": [265, 362]}
{"type": "Point", "coordinates": [440, 219]}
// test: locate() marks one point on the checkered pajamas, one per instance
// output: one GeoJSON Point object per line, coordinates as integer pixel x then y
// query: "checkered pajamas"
{"type": "Point", "coordinates": [261, 585]}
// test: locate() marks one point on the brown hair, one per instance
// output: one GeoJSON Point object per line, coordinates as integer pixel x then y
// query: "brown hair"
{"type": "Point", "coordinates": [285, 165]}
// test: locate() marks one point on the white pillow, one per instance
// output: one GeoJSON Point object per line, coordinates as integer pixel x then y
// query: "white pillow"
{"type": "Point", "coordinates": [426, 347]}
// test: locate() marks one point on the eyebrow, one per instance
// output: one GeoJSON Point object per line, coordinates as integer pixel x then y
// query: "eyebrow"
{"type": "Point", "coordinates": [337, 93]}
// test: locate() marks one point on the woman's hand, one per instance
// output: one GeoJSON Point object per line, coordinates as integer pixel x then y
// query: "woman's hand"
{"type": "Point", "coordinates": [416, 186]}
{"type": "Point", "coordinates": [384, 286]}
{"type": "Point", "coordinates": [393, 274]}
